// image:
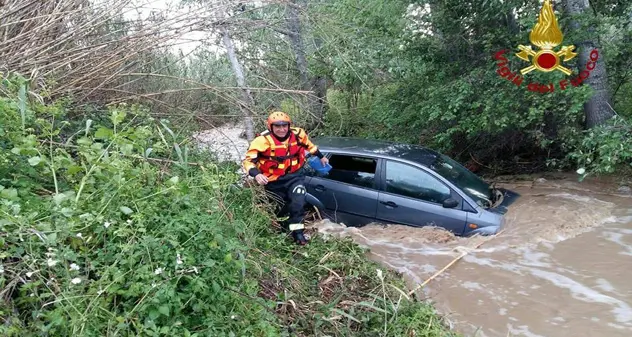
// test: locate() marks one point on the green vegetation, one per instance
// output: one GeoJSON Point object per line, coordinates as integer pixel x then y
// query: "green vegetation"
{"type": "Point", "coordinates": [116, 227]}
{"type": "Point", "coordinates": [425, 73]}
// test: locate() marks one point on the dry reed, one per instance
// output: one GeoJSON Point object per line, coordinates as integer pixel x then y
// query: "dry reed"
{"type": "Point", "coordinates": [86, 48]}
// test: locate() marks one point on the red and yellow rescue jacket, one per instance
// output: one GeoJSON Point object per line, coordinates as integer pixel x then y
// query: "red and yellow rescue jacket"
{"type": "Point", "coordinates": [274, 158]}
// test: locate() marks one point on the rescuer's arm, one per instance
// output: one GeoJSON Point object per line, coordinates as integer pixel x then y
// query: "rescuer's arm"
{"type": "Point", "coordinates": [258, 145]}
{"type": "Point", "coordinates": [303, 138]}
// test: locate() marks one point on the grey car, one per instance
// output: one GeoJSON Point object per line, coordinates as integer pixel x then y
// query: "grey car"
{"type": "Point", "coordinates": [395, 183]}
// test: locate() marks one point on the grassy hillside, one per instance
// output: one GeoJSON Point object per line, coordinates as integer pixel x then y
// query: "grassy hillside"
{"type": "Point", "coordinates": [116, 227]}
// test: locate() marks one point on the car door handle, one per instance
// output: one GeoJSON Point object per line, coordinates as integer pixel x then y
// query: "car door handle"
{"type": "Point", "coordinates": [389, 204]}
{"type": "Point", "coordinates": [319, 188]}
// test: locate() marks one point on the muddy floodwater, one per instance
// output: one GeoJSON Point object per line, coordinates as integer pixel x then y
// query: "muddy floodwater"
{"type": "Point", "coordinates": [562, 266]}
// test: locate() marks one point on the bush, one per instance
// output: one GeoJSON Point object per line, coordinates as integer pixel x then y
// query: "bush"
{"type": "Point", "coordinates": [603, 149]}
{"type": "Point", "coordinates": [109, 228]}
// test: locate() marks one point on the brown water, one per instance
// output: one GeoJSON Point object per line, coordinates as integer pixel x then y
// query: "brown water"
{"type": "Point", "coordinates": [562, 267]}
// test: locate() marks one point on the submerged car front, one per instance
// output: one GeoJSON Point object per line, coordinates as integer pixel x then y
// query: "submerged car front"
{"type": "Point", "coordinates": [491, 202]}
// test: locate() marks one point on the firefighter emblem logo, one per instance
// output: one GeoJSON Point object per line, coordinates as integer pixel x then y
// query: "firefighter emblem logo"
{"type": "Point", "coordinates": [546, 35]}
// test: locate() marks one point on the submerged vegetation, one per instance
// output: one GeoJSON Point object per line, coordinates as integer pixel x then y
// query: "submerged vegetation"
{"type": "Point", "coordinates": [119, 227]}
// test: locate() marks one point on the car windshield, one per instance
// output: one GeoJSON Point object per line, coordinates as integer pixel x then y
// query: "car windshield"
{"type": "Point", "coordinates": [470, 183]}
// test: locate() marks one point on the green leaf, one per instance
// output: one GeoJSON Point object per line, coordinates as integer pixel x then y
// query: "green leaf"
{"type": "Point", "coordinates": [35, 160]}
{"type": "Point", "coordinates": [228, 257]}
{"type": "Point", "coordinates": [51, 238]}
{"type": "Point", "coordinates": [127, 149]}
{"type": "Point", "coordinates": [74, 169]}
{"type": "Point", "coordinates": [153, 314]}
{"type": "Point", "coordinates": [9, 193]}
{"type": "Point", "coordinates": [59, 198]}
{"type": "Point", "coordinates": [174, 180]}
{"type": "Point", "coordinates": [67, 212]}
{"type": "Point", "coordinates": [103, 133]}
{"type": "Point", "coordinates": [84, 141]}
{"type": "Point", "coordinates": [164, 310]}
{"type": "Point", "coordinates": [118, 116]}
{"type": "Point", "coordinates": [126, 210]}
{"type": "Point", "coordinates": [162, 122]}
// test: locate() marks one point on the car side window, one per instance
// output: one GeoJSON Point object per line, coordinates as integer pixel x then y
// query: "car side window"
{"type": "Point", "coordinates": [407, 180]}
{"type": "Point", "coordinates": [354, 170]}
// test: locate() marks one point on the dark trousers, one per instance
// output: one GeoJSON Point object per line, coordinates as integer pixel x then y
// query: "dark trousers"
{"type": "Point", "coordinates": [289, 194]}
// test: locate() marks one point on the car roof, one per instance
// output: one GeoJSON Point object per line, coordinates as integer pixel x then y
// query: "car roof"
{"type": "Point", "coordinates": [379, 148]}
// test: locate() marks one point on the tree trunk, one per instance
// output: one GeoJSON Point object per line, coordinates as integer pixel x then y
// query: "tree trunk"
{"type": "Point", "coordinates": [296, 41]}
{"type": "Point", "coordinates": [315, 99]}
{"type": "Point", "coordinates": [512, 23]}
{"type": "Point", "coordinates": [247, 102]}
{"type": "Point", "coordinates": [598, 109]}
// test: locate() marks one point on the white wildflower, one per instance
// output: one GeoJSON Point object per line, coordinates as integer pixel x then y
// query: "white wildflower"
{"type": "Point", "coordinates": [178, 259]}
{"type": "Point", "coordinates": [581, 171]}
{"type": "Point", "coordinates": [106, 224]}
{"type": "Point", "coordinates": [129, 221]}
{"type": "Point", "coordinates": [379, 274]}
{"type": "Point", "coordinates": [75, 280]}
{"type": "Point", "coordinates": [153, 284]}
{"type": "Point", "coordinates": [1, 269]}
{"type": "Point", "coordinates": [79, 235]}
{"type": "Point", "coordinates": [74, 266]}
{"type": "Point", "coordinates": [29, 274]}
{"type": "Point", "coordinates": [158, 271]}
{"type": "Point", "coordinates": [51, 262]}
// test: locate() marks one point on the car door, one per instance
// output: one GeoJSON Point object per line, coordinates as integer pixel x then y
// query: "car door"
{"type": "Point", "coordinates": [412, 196]}
{"type": "Point", "coordinates": [349, 190]}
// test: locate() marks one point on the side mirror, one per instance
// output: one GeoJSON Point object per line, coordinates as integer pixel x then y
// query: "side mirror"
{"type": "Point", "coordinates": [450, 203]}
